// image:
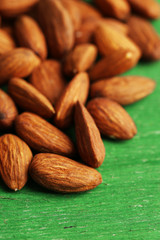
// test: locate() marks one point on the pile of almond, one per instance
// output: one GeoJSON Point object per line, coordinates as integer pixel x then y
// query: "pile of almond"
{"type": "Point", "coordinates": [48, 52]}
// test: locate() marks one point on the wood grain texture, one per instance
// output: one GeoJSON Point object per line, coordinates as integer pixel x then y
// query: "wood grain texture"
{"type": "Point", "coordinates": [124, 207]}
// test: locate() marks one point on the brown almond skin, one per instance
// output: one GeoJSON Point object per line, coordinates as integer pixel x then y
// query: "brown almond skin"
{"type": "Point", "coordinates": [8, 28]}
{"type": "Point", "coordinates": [18, 62]}
{"type": "Point", "coordinates": [6, 42]}
{"type": "Point", "coordinates": [112, 8]}
{"type": "Point", "coordinates": [42, 136]}
{"type": "Point", "coordinates": [8, 111]}
{"type": "Point", "coordinates": [62, 174]}
{"type": "Point", "coordinates": [85, 32]}
{"type": "Point", "coordinates": [145, 36]}
{"type": "Point", "coordinates": [15, 158]}
{"type": "Point", "coordinates": [88, 138]}
{"type": "Point", "coordinates": [29, 98]}
{"type": "Point", "coordinates": [73, 11]}
{"type": "Point", "coordinates": [87, 11]}
{"type": "Point", "coordinates": [79, 59]}
{"type": "Point", "coordinates": [11, 8]}
{"type": "Point", "coordinates": [124, 90]}
{"type": "Point", "coordinates": [57, 26]}
{"type": "Point", "coordinates": [109, 41]}
{"type": "Point", "coordinates": [48, 79]}
{"type": "Point", "coordinates": [148, 8]}
{"type": "Point", "coordinates": [77, 90]}
{"type": "Point", "coordinates": [111, 119]}
{"type": "Point", "coordinates": [114, 64]}
{"type": "Point", "coordinates": [120, 26]}
{"type": "Point", "coordinates": [29, 35]}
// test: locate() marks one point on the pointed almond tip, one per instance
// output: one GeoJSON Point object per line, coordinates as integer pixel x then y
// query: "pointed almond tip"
{"type": "Point", "coordinates": [132, 133]}
{"type": "Point", "coordinates": [99, 179]}
{"type": "Point", "coordinates": [53, 111]}
{"type": "Point", "coordinates": [155, 55]}
{"type": "Point", "coordinates": [78, 105]}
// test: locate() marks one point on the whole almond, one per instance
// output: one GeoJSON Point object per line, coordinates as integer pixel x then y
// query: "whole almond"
{"type": "Point", "coordinates": [29, 98]}
{"type": "Point", "coordinates": [118, 9]}
{"type": "Point", "coordinates": [57, 26]}
{"type": "Point", "coordinates": [144, 35]}
{"type": "Point", "coordinates": [73, 11]}
{"type": "Point", "coordinates": [89, 142]}
{"type": "Point", "coordinates": [147, 8]}
{"type": "Point", "coordinates": [30, 35]}
{"type": "Point", "coordinates": [124, 90]}
{"type": "Point", "coordinates": [18, 62]}
{"type": "Point", "coordinates": [6, 42]}
{"type": "Point", "coordinates": [8, 111]}
{"type": "Point", "coordinates": [11, 8]}
{"type": "Point", "coordinates": [62, 174]}
{"type": "Point", "coordinates": [77, 90]}
{"type": "Point", "coordinates": [111, 119]}
{"type": "Point", "coordinates": [79, 59]}
{"type": "Point", "coordinates": [42, 136]}
{"type": "Point", "coordinates": [15, 157]}
{"type": "Point", "coordinates": [48, 79]}
{"type": "Point", "coordinates": [114, 64]}
{"type": "Point", "coordinates": [109, 41]}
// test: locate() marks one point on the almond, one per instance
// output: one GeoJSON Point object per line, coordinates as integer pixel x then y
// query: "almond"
{"type": "Point", "coordinates": [77, 90]}
{"type": "Point", "coordinates": [8, 28]}
{"type": "Point", "coordinates": [89, 142]}
{"type": "Point", "coordinates": [124, 90]}
{"type": "Point", "coordinates": [11, 8]}
{"type": "Point", "coordinates": [147, 8]}
{"type": "Point", "coordinates": [80, 59]}
{"type": "Point", "coordinates": [48, 79]}
{"type": "Point", "coordinates": [117, 63]}
{"type": "Point", "coordinates": [73, 11]}
{"type": "Point", "coordinates": [42, 136]}
{"type": "Point", "coordinates": [57, 26]}
{"type": "Point", "coordinates": [109, 41]}
{"type": "Point", "coordinates": [8, 111]}
{"type": "Point", "coordinates": [144, 35]}
{"type": "Point", "coordinates": [15, 157]}
{"type": "Point", "coordinates": [18, 62]}
{"type": "Point", "coordinates": [29, 98]}
{"type": "Point", "coordinates": [85, 33]}
{"type": "Point", "coordinates": [29, 35]}
{"type": "Point", "coordinates": [122, 27]}
{"type": "Point", "coordinates": [111, 119]}
{"type": "Point", "coordinates": [112, 8]}
{"type": "Point", "coordinates": [87, 11]}
{"type": "Point", "coordinates": [62, 174]}
{"type": "Point", "coordinates": [6, 42]}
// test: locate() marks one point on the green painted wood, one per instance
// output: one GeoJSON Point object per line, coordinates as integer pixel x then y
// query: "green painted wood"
{"type": "Point", "coordinates": [125, 206]}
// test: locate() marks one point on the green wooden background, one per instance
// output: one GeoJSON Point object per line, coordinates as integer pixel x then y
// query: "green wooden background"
{"type": "Point", "coordinates": [125, 206]}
